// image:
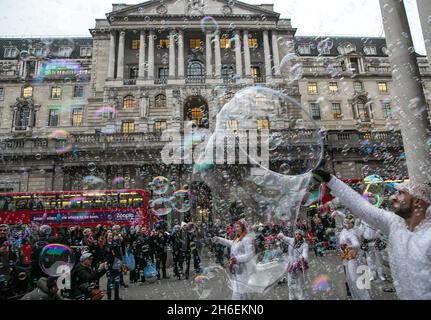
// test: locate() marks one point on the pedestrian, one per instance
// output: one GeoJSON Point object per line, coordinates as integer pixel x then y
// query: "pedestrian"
{"type": "Point", "coordinates": [114, 259]}
{"type": "Point", "coordinates": [46, 289]}
{"type": "Point", "coordinates": [160, 239]}
{"type": "Point", "coordinates": [408, 228]}
{"type": "Point", "coordinates": [297, 264]}
{"type": "Point", "coordinates": [241, 259]}
{"type": "Point", "coordinates": [85, 277]}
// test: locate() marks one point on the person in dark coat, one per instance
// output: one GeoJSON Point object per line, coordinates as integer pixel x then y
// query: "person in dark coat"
{"type": "Point", "coordinates": [46, 290]}
{"type": "Point", "coordinates": [84, 276]}
{"type": "Point", "coordinates": [114, 258]}
{"type": "Point", "coordinates": [160, 240]}
{"type": "Point", "coordinates": [143, 252]}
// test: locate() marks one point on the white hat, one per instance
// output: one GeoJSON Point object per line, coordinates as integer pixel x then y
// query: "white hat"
{"type": "Point", "coordinates": [183, 224]}
{"type": "Point", "coordinates": [86, 256]}
{"type": "Point", "coordinates": [418, 190]}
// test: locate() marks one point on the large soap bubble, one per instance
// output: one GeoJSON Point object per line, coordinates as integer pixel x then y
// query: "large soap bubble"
{"type": "Point", "coordinates": [55, 258]}
{"type": "Point", "coordinates": [257, 163]}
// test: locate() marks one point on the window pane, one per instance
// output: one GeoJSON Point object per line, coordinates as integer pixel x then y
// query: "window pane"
{"type": "Point", "coordinates": [315, 111]}
{"type": "Point", "coordinates": [336, 111]}
{"type": "Point", "coordinates": [77, 117]}
{"type": "Point", "coordinates": [232, 125]}
{"type": "Point", "coordinates": [383, 88]}
{"type": "Point", "coordinates": [129, 102]}
{"type": "Point", "coordinates": [27, 92]}
{"type": "Point", "coordinates": [262, 124]}
{"type": "Point", "coordinates": [160, 126]}
{"type": "Point", "coordinates": [252, 43]}
{"type": "Point", "coordinates": [195, 43]}
{"type": "Point", "coordinates": [128, 127]}
{"type": "Point", "coordinates": [55, 92]}
{"type": "Point", "coordinates": [358, 86]}
{"type": "Point", "coordinates": [53, 118]}
{"type": "Point", "coordinates": [225, 43]}
{"type": "Point", "coordinates": [312, 87]}
{"type": "Point", "coordinates": [333, 87]}
{"type": "Point", "coordinates": [135, 44]}
{"type": "Point", "coordinates": [78, 91]}
{"type": "Point", "coordinates": [255, 71]}
{"type": "Point", "coordinates": [164, 43]}
{"type": "Point", "coordinates": [387, 111]}
{"type": "Point", "coordinates": [197, 115]}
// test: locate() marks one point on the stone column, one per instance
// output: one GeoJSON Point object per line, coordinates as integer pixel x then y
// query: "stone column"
{"type": "Point", "coordinates": [238, 56]}
{"type": "Point", "coordinates": [424, 7]}
{"type": "Point", "coordinates": [247, 60]}
{"type": "Point", "coordinates": [407, 93]}
{"type": "Point", "coordinates": [267, 54]}
{"type": "Point", "coordinates": [111, 61]}
{"type": "Point", "coordinates": [217, 56]}
{"type": "Point", "coordinates": [181, 53]}
{"type": "Point", "coordinates": [120, 65]}
{"type": "Point", "coordinates": [151, 55]}
{"type": "Point", "coordinates": [171, 54]}
{"type": "Point", "coordinates": [142, 46]}
{"type": "Point", "coordinates": [57, 184]}
{"type": "Point", "coordinates": [275, 53]}
{"type": "Point", "coordinates": [208, 56]}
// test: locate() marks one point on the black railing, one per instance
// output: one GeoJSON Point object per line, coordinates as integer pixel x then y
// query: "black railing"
{"type": "Point", "coordinates": [161, 81]}
{"type": "Point", "coordinates": [129, 82]}
{"type": "Point", "coordinates": [195, 79]}
{"type": "Point", "coordinates": [259, 79]}
{"type": "Point", "coordinates": [228, 80]}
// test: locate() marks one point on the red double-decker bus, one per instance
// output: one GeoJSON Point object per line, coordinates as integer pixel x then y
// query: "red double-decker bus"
{"type": "Point", "coordinates": [69, 208]}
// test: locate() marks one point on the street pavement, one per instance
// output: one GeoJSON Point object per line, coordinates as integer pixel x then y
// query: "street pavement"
{"type": "Point", "coordinates": [324, 280]}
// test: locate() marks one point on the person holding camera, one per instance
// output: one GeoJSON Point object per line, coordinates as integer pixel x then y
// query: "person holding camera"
{"type": "Point", "coordinates": [84, 278]}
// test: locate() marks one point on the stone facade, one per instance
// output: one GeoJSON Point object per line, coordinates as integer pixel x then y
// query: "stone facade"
{"type": "Point", "coordinates": [147, 66]}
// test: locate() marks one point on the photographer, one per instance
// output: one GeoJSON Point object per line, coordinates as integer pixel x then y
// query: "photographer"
{"type": "Point", "coordinates": [84, 277]}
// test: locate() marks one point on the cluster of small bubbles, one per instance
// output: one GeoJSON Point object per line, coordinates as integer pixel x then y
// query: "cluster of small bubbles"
{"type": "Point", "coordinates": [161, 207]}
{"type": "Point", "coordinates": [93, 183]}
{"type": "Point", "coordinates": [209, 25]}
{"type": "Point", "coordinates": [160, 185]}
{"type": "Point", "coordinates": [291, 68]}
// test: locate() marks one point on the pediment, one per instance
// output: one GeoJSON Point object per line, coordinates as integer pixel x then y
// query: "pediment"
{"type": "Point", "coordinates": [189, 7]}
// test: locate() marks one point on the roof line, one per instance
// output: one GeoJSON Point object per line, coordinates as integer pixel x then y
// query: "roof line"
{"type": "Point", "coordinates": [41, 36]}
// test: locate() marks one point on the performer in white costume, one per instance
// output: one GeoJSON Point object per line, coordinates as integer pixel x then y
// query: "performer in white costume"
{"type": "Point", "coordinates": [297, 264]}
{"type": "Point", "coordinates": [241, 261]}
{"type": "Point", "coordinates": [408, 228]}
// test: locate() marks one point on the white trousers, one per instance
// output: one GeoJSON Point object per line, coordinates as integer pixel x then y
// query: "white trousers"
{"type": "Point", "coordinates": [375, 261]}
{"type": "Point", "coordinates": [351, 268]}
{"type": "Point", "coordinates": [295, 283]}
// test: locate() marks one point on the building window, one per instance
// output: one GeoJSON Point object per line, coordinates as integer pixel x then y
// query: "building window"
{"type": "Point", "coordinates": [78, 91]}
{"type": "Point", "coordinates": [383, 87]}
{"type": "Point", "coordinates": [361, 111]}
{"type": "Point", "coordinates": [55, 93]}
{"type": "Point", "coordinates": [163, 73]}
{"type": "Point", "coordinates": [160, 101]}
{"type": "Point", "coordinates": [38, 52]}
{"type": "Point", "coordinates": [387, 110]}
{"type": "Point", "coordinates": [304, 49]}
{"type": "Point", "coordinates": [164, 43]}
{"type": "Point", "coordinates": [136, 44]}
{"type": "Point", "coordinates": [232, 125]}
{"type": "Point", "coordinates": [129, 102]}
{"type": "Point", "coordinates": [346, 48]}
{"type": "Point", "coordinates": [10, 52]}
{"type": "Point", "coordinates": [255, 72]}
{"type": "Point", "coordinates": [370, 50]}
{"type": "Point", "coordinates": [77, 116]}
{"type": "Point", "coordinates": [195, 69]}
{"type": "Point", "coordinates": [336, 111]}
{"type": "Point", "coordinates": [22, 118]}
{"type": "Point", "coordinates": [253, 43]}
{"type": "Point", "coordinates": [333, 87]}
{"type": "Point", "coordinates": [127, 127]}
{"type": "Point", "coordinates": [197, 115]}
{"type": "Point", "coordinates": [225, 43]}
{"type": "Point", "coordinates": [133, 72]}
{"type": "Point", "coordinates": [85, 51]}
{"type": "Point", "coordinates": [262, 124]}
{"type": "Point", "coordinates": [27, 92]}
{"type": "Point", "coordinates": [312, 88]}
{"type": "Point", "coordinates": [315, 110]}
{"type": "Point", "coordinates": [1, 93]}
{"type": "Point", "coordinates": [358, 86]}
{"type": "Point", "coordinates": [160, 126]}
{"type": "Point", "coordinates": [194, 43]}
{"type": "Point", "coordinates": [53, 118]}
{"type": "Point", "coordinates": [65, 51]}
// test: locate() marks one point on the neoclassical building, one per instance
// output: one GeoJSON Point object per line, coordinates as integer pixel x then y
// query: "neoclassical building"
{"type": "Point", "coordinates": [97, 106]}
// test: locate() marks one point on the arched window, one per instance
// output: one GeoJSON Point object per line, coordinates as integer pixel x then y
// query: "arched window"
{"type": "Point", "coordinates": [196, 69]}
{"type": "Point", "coordinates": [129, 102]}
{"type": "Point", "coordinates": [160, 101]}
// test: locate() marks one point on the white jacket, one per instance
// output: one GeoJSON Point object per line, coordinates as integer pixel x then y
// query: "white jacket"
{"type": "Point", "coordinates": [409, 251]}
{"type": "Point", "coordinates": [243, 251]}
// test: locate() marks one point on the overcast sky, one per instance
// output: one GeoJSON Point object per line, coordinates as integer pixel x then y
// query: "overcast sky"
{"type": "Point", "coordinates": [310, 17]}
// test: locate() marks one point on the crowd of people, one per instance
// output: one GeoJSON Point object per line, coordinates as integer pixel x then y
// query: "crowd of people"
{"type": "Point", "coordinates": [239, 247]}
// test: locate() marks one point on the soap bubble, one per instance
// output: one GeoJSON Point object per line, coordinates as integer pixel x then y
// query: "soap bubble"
{"type": "Point", "coordinates": [161, 207]}
{"type": "Point", "coordinates": [181, 200]}
{"type": "Point", "coordinates": [291, 67]}
{"type": "Point", "coordinates": [54, 257]}
{"type": "Point", "coordinates": [160, 185]}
